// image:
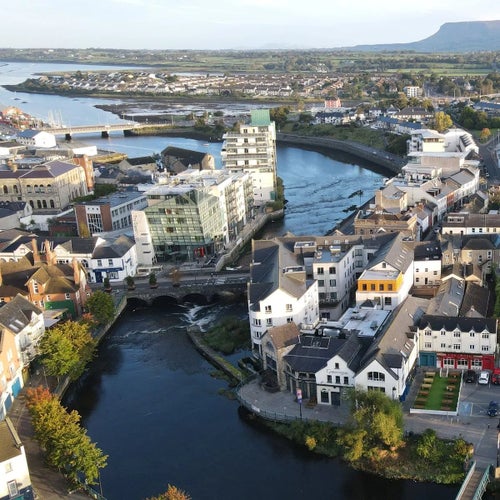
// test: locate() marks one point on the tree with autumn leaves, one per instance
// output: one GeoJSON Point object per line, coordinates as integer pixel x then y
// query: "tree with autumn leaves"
{"type": "Point", "coordinates": [63, 439]}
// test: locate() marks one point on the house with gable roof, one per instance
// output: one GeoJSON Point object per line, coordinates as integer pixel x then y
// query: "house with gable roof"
{"type": "Point", "coordinates": [279, 291]}
{"type": "Point", "coordinates": [388, 277]}
{"type": "Point", "coordinates": [36, 138]}
{"type": "Point", "coordinates": [11, 371]}
{"type": "Point", "coordinates": [114, 258]}
{"type": "Point", "coordinates": [26, 321]}
{"type": "Point", "coordinates": [389, 363]}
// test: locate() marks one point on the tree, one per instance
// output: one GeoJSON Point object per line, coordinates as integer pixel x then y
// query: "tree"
{"type": "Point", "coordinates": [61, 436]}
{"type": "Point", "coordinates": [130, 282]}
{"type": "Point", "coordinates": [442, 121]}
{"type": "Point", "coordinates": [377, 423]}
{"type": "Point", "coordinates": [101, 305]}
{"type": "Point", "coordinates": [172, 493]}
{"type": "Point", "coordinates": [485, 134]}
{"type": "Point", "coordinates": [106, 283]}
{"type": "Point", "coordinates": [67, 348]}
{"type": "Point", "coordinates": [152, 280]}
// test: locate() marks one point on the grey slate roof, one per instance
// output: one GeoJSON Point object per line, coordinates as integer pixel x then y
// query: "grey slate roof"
{"type": "Point", "coordinates": [17, 313]}
{"type": "Point", "coordinates": [464, 324]}
{"type": "Point", "coordinates": [113, 249]}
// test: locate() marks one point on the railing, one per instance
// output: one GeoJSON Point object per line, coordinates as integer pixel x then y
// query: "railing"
{"type": "Point", "coordinates": [481, 487]}
{"type": "Point", "coordinates": [462, 489]}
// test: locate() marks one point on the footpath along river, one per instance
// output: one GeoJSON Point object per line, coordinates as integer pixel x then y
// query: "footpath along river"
{"type": "Point", "coordinates": [149, 400]}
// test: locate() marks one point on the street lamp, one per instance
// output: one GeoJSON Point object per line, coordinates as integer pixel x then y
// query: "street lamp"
{"type": "Point", "coordinates": [299, 399]}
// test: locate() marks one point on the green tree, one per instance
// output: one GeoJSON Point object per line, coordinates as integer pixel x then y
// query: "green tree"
{"type": "Point", "coordinates": [442, 121]}
{"type": "Point", "coordinates": [427, 446]}
{"type": "Point", "coordinates": [279, 115]}
{"type": "Point", "coordinates": [67, 348]}
{"type": "Point", "coordinates": [101, 305]}
{"type": "Point", "coordinates": [64, 441]}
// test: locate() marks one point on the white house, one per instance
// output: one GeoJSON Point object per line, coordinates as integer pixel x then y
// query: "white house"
{"type": "Point", "coordinates": [36, 138]}
{"type": "Point", "coordinates": [15, 481]}
{"type": "Point", "coordinates": [279, 291]}
{"type": "Point", "coordinates": [390, 361]}
{"type": "Point", "coordinates": [26, 321]}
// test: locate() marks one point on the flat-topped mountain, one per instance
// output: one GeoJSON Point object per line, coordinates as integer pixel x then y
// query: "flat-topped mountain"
{"type": "Point", "coordinates": [452, 37]}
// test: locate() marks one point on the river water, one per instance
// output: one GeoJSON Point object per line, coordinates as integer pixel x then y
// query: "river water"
{"type": "Point", "coordinates": [149, 399]}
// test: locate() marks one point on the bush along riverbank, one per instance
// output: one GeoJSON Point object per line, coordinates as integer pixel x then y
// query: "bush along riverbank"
{"type": "Point", "coordinates": [373, 441]}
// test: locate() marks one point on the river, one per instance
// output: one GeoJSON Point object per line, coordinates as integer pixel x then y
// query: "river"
{"type": "Point", "coordinates": [149, 399]}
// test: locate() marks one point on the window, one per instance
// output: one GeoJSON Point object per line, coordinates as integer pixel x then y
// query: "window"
{"type": "Point", "coordinates": [443, 332]}
{"type": "Point", "coordinates": [8, 467]}
{"type": "Point", "coordinates": [428, 345]}
{"type": "Point", "coordinates": [35, 286]}
{"type": "Point", "coordinates": [371, 388]}
{"type": "Point", "coordinates": [477, 363]}
{"type": "Point", "coordinates": [289, 308]}
{"type": "Point", "coordinates": [333, 282]}
{"type": "Point", "coordinates": [485, 348]}
{"type": "Point", "coordinates": [321, 282]}
{"type": "Point", "coordinates": [456, 334]}
{"type": "Point", "coordinates": [389, 287]}
{"type": "Point", "coordinates": [67, 296]}
{"type": "Point", "coordinates": [268, 309]}
{"type": "Point", "coordinates": [99, 262]}
{"type": "Point", "coordinates": [269, 321]}
{"type": "Point", "coordinates": [449, 362]}
{"type": "Point", "coordinates": [364, 287]}
{"type": "Point", "coordinates": [346, 380]}
{"type": "Point", "coordinates": [332, 270]}
{"type": "Point", "coordinates": [462, 363]}
{"type": "Point", "coordinates": [372, 287]}
{"type": "Point", "coordinates": [376, 376]}
{"type": "Point", "coordinates": [456, 347]}
{"type": "Point", "coordinates": [381, 288]}
{"type": "Point", "coordinates": [485, 335]}
{"type": "Point", "coordinates": [329, 379]}
{"type": "Point", "coordinates": [324, 397]}
{"type": "Point", "coordinates": [443, 346]}
{"type": "Point", "coordinates": [428, 333]}
{"type": "Point", "coordinates": [388, 301]}
{"type": "Point", "coordinates": [337, 379]}
{"type": "Point", "coordinates": [257, 322]}
{"type": "Point", "coordinates": [336, 366]}
{"type": "Point", "coordinates": [110, 262]}
{"type": "Point", "coordinates": [289, 319]}
{"type": "Point", "coordinates": [320, 270]}
{"type": "Point", "coordinates": [13, 490]}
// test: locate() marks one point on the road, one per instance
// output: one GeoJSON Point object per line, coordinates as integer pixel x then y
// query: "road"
{"type": "Point", "coordinates": [487, 151]}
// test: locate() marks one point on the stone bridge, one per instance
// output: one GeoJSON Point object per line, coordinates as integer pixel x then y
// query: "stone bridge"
{"type": "Point", "coordinates": [199, 293]}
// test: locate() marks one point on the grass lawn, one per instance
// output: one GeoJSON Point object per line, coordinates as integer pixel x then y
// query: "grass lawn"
{"type": "Point", "coordinates": [443, 393]}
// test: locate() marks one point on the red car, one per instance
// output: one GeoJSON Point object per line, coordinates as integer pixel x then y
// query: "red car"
{"type": "Point", "coordinates": [495, 376]}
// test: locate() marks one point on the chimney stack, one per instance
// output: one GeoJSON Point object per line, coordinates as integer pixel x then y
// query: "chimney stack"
{"type": "Point", "coordinates": [76, 272]}
{"type": "Point", "coordinates": [49, 255]}
{"type": "Point", "coordinates": [36, 254]}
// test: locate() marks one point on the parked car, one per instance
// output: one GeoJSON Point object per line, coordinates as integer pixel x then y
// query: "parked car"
{"type": "Point", "coordinates": [495, 376]}
{"type": "Point", "coordinates": [484, 378]}
{"type": "Point", "coordinates": [492, 409]}
{"type": "Point", "coordinates": [470, 376]}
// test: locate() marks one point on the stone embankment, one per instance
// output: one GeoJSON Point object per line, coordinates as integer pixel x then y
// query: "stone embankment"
{"type": "Point", "coordinates": [387, 161]}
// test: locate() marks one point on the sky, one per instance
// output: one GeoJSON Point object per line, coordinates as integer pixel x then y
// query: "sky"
{"type": "Point", "coordinates": [229, 24]}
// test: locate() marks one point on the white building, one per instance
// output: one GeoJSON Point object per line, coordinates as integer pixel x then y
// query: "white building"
{"type": "Point", "coordinates": [36, 138]}
{"type": "Point", "coordinates": [427, 259]}
{"type": "Point", "coordinates": [253, 149]}
{"type": "Point", "coordinates": [390, 361]}
{"type": "Point", "coordinates": [279, 291]}
{"type": "Point", "coordinates": [15, 481]}
{"type": "Point", "coordinates": [26, 321]}
{"type": "Point", "coordinates": [146, 256]}
{"type": "Point", "coordinates": [114, 259]}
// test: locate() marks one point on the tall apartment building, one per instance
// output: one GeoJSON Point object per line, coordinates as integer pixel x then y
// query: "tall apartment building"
{"type": "Point", "coordinates": [193, 215]}
{"type": "Point", "coordinates": [253, 150]}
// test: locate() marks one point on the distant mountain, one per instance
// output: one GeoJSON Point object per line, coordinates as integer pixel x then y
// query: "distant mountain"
{"type": "Point", "coordinates": [451, 37]}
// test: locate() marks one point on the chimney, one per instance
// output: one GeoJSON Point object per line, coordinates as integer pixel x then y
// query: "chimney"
{"type": "Point", "coordinates": [76, 272]}
{"type": "Point", "coordinates": [1, 277]}
{"type": "Point", "coordinates": [36, 254]}
{"type": "Point", "coordinates": [49, 255]}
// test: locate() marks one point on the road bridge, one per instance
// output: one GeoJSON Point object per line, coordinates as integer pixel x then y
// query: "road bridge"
{"type": "Point", "coordinates": [129, 128]}
{"type": "Point", "coordinates": [203, 291]}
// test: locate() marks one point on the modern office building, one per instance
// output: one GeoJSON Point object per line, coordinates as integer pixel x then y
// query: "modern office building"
{"type": "Point", "coordinates": [252, 149]}
{"type": "Point", "coordinates": [194, 214]}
